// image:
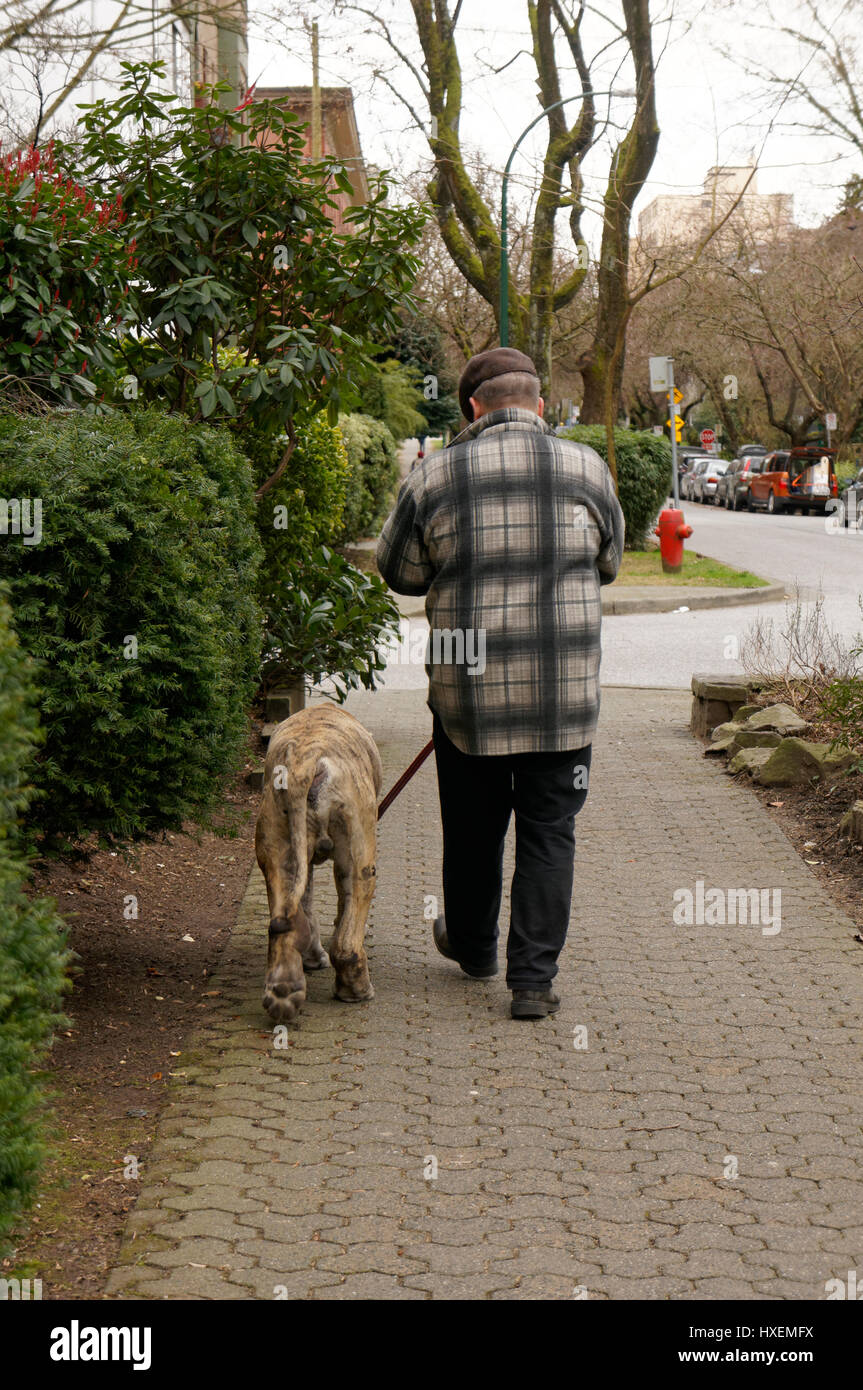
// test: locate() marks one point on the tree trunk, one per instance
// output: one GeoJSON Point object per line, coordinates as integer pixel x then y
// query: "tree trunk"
{"type": "Point", "coordinates": [602, 366]}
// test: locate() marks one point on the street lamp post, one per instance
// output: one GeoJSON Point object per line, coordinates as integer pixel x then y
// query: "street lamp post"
{"type": "Point", "coordinates": [504, 250]}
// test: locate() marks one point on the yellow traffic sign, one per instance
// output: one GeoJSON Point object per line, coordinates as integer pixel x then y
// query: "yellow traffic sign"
{"type": "Point", "coordinates": [678, 396]}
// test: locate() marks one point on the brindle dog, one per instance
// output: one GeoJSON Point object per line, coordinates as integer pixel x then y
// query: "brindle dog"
{"type": "Point", "coordinates": [321, 782]}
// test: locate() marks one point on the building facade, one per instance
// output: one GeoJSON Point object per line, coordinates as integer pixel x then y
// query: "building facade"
{"type": "Point", "coordinates": [679, 219]}
{"type": "Point", "coordinates": [337, 136]}
{"type": "Point", "coordinates": [76, 58]}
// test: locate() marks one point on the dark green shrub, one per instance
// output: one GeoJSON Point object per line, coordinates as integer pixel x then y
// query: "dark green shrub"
{"type": "Point", "coordinates": [32, 953]}
{"type": "Point", "coordinates": [643, 474]}
{"type": "Point", "coordinates": [373, 473]}
{"type": "Point", "coordinates": [305, 507]}
{"type": "Point", "coordinates": [138, 603]}
{"type": "Point", "coordinates": [323, 618]}
{"type": "Point", "coordinates": [334, 623]}
{"type": "Point", "coordinates": [392, 392]}
{"type": "Point", "coordinates": [419, 344]}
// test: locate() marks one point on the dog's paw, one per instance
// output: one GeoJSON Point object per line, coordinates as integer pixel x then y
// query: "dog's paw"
{"type": "Point", "coordinates": [351, 994]}
{"type": "Point", "coordinates": [283, 999]}
{"type": "Point", "coordinates": [316, 960]}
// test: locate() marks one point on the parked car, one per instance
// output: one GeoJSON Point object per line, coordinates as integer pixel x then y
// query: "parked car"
{"type": "Point", "coordinates": [690, 478]}
{"type": "Point", "coordinates": [733, 491]}
{"type": "Point", "coordinates": [705, 484]}
{"type": "Point", "coordinates": [801, 479]}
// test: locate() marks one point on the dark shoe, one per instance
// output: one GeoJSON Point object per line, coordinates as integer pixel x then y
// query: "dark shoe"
{"type": "Point", "coordinates": [534, 1003]}
{"type": "Point", "coordinates": [441, 941]}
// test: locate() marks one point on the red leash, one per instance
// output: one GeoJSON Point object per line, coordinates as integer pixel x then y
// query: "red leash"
{"type": "Point", "coordinates": [405, 778]}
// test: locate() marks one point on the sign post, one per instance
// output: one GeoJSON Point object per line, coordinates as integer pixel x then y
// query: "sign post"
{"type": "Point", "coordinates": [662, 379]}
{"type": "Point", "coordinates": [672, 415]}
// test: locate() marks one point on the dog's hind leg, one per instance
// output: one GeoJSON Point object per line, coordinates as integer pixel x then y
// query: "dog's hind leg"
{"type": "Point", "coordinates": [289, 936]}
{"type": "Point", "coordinates": [354, 871]}
{"type": "Point", "coordinates": [314, 957]}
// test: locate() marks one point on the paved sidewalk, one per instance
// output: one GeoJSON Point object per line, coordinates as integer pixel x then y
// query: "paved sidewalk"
{"type": "Point", "coordinates": [607, 1169]}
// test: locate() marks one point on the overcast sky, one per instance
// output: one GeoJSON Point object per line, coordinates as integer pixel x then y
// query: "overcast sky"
{"type": "Point", "coordinates": [710, 110]}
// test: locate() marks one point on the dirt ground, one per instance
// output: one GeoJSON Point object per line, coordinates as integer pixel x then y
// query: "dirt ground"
{"type": "Point", "coordinates": [810, 818]}
{"type": "Point", "coordinates": [810, 815]}
{"type": "Point", "coordinates": [140, 986]}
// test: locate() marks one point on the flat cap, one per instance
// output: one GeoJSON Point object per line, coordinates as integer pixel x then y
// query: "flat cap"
{"type": "Point", "coordinates": [484, 366]}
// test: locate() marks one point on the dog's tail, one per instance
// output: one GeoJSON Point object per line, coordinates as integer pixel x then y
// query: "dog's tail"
{"type": "Point", "coordinates": [304, 780]}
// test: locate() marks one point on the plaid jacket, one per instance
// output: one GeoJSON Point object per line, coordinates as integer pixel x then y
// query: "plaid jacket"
{"type": "Point", "coordinates": [510, 532]}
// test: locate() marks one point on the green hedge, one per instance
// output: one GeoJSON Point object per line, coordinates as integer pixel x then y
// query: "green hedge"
{"type": "Point", "coordinates": [303, 510]}
{"type": "Point", "coordinates": [643, 474]}
{"type": "Point", "coordinates": [373, 474]}
{"type": "Point", "coordinates": [305, 507]}
{"type": "Point", "coordinates": [32, 953]}
{"type": "Point", "coordinates": [148, 534]}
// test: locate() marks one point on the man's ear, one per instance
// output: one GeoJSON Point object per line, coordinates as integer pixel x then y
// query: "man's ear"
{"type": "Point", "coordinates": [540, 409]}
{"type": "Point", "coordinates": [475, 407]}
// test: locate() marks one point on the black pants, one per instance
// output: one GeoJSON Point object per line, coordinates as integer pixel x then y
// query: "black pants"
{"type": "Point", "coordinates": [477, 798]}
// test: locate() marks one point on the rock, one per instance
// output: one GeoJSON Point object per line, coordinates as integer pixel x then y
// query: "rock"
{"type": "Point", "coordinates": [730, 738]}
{"type": "Point", "coordinates": [733, 689]}
{"type": "Point", "coordinates": [782, 718]}
{"type": "Point", "coordinates": [833, 760]}
{"type": "Point", "coordinates": [726, 730]}
{"type": "Point", "coordinates": [796, 762]}
{"type": "Point", "coordinates": [706, 714]}
{"type": "Point", "coordinates": [743, 713]}
{"type": "Point", "coordinates": [721, 745]}
{"type": "Point", "coordinates": [281, 704]}
{"type": "Point", "coordinates": [749, 760]}
{"type": "Point", "coordinates": [715, 700]}
{"type": "Point", "coordinates": [851, 823]}
{"type": "Point", "coordinates": [722, 738]}
{"type": "Point", "coordinates": [755, 738]}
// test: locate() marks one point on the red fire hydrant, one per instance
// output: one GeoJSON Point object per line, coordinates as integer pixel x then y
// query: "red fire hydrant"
{"type": "Point", "coordinates": [672, 531]}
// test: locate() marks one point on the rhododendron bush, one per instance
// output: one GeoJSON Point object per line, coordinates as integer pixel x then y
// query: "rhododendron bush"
{"type": "Point", "coordinates": [65, 265]}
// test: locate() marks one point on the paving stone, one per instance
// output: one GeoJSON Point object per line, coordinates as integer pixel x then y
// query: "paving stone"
{"type": "Point", "coordinates": [558, 1168]}
{"type": "Point", "coordinates": [369, 1287]}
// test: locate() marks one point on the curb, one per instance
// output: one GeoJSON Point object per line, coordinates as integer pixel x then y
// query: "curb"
{"type": "Point", "coordinates": [647, 600]}
{"type": "Point", "coordinates": [644, 598]}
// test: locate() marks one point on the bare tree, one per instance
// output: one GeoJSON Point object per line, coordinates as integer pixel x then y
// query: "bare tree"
{"type": "Point", "coordinates": [467, 214]}
{"type": "Point", "coordinates": [50, 48]}
{"type": "Point", "coordinates": [821, 74]}
{"type": "Point", "coordinates": [770, 330]}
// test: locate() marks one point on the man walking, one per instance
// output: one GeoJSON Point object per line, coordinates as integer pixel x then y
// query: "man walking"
{"type": "Point", "coordinates": [509, 532]}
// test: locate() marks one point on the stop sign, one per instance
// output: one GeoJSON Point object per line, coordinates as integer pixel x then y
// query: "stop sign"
{"type": "Point", "coordinates": [708, 437]}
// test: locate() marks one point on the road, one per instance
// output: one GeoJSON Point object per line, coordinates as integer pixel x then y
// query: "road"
{"type": "Point", "coordinates": [664, 649]}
